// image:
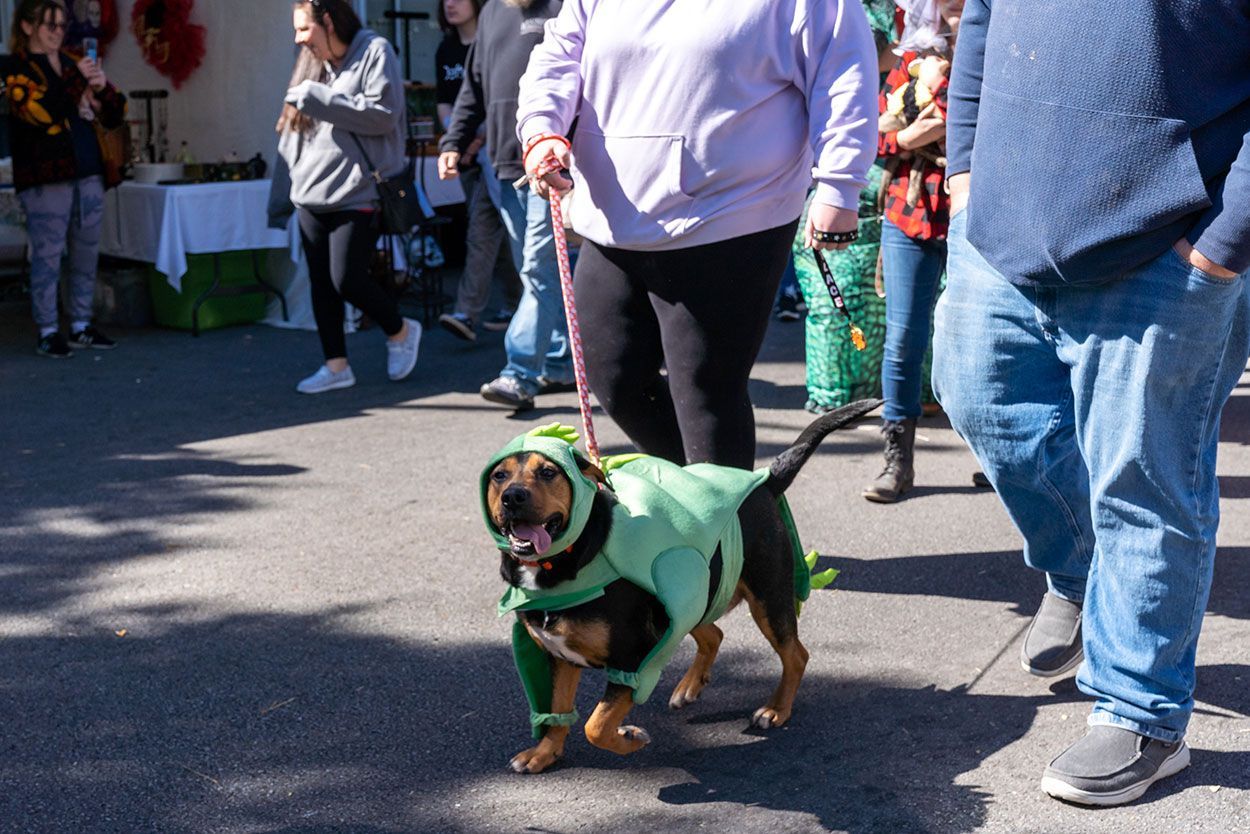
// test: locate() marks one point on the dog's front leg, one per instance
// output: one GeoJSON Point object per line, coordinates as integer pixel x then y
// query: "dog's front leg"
{"type": "Point", "coordinates": [564, 679]}
{"type": "Point", "coordinates": [603, 728]}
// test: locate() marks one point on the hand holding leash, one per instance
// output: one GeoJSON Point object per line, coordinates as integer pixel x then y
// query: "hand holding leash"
{"type": "Point", "coordinates": [545, 156]}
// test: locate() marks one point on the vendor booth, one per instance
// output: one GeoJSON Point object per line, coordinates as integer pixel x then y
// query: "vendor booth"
{"type": "Point", "coordinates": [205, 81]}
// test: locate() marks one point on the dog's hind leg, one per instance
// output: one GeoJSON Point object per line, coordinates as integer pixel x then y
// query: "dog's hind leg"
{"type": "Point", "coordinates": [564, 679]}
{"type": "Point", "coordinates": [780, 626]}
{"type": "Point", "coordinates": [708, 638]}
{"type": "Point", "coordinates": [604, 729]}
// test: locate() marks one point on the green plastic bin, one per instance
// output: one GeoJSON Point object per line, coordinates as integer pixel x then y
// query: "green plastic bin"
{"type": "Point", "coordinates": [171, 308]}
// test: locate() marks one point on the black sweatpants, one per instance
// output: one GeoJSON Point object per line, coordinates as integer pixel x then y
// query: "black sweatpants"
{"type": "Point", "coordinates": [701, 312]}
{"type": "Point", "coordinates": [339, 246]}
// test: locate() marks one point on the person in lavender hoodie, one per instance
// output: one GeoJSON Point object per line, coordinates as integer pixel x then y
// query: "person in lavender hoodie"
{"type": "Point", "coordinates": [699, 132]}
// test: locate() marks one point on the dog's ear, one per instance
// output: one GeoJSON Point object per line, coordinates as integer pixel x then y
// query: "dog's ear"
{"type": "Point", "coordinates": [590, 470]}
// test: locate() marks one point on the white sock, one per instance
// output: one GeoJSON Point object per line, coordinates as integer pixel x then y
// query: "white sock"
{"type": "Point", "coordinates": [47, 331]}
{"type": "Point", "coordinates": [79, 326]}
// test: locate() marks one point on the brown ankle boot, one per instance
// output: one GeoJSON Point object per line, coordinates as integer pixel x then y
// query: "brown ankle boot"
{"type": "Point", "coordinates": [897, 477]}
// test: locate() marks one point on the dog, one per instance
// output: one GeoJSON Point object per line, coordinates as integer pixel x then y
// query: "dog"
{"type": "Point", "coordinates": [611, 568]}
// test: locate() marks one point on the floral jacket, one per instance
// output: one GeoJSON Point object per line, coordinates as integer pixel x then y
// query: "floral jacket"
{"type": "Point", "coordinates": [41, 106]}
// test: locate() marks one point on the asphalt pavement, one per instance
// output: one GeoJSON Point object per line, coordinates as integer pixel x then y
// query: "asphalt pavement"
{"type": "Point", "coordinates": [227, 607]}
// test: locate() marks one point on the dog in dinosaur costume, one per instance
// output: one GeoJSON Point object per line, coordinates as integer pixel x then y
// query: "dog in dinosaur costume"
{"type": "Point", "coordinates": [611, 567]}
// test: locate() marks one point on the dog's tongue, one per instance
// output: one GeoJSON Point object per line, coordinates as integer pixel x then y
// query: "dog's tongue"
{"type": "Point", "coordinates": [537, 536]}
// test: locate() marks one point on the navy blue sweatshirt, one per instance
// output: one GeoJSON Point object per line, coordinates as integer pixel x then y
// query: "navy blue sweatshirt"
{"type": "Point", "coordinates": [1099, 133]}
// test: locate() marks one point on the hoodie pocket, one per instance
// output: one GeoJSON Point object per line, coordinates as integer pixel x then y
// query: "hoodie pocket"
{"type": "Point", "coordinates": [1072, 195]}
{"type": "Point", "coordinates": [631, 185]}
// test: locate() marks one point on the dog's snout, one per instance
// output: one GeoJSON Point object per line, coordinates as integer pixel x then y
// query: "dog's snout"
{"type": "Point", "coordinates": [515, 497]}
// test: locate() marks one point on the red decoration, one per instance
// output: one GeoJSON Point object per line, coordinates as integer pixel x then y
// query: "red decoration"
{"type": "Point", "coordinates": [169, 41]}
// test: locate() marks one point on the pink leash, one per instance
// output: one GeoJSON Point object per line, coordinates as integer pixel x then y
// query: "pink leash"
{"type": "Point", "coordinates": [570, 313]}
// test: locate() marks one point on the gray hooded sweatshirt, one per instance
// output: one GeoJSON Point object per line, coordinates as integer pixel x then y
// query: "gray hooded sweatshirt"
{"type": "Point", "coordinates": [323, 169]}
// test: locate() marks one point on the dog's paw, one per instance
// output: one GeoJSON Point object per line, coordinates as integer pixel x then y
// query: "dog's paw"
{"type": "Point", "coordinates": [768, 717]}
{"type": "Point", "coordinates": [683, 696]}
{"type": "Point", "coordinates": [635, 737]}
{"type": "Point", "coordinates": [533, 760]}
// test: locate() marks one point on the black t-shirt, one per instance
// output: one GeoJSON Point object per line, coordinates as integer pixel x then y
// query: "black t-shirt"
{"type": "Point", "coordinates": [449, 62]}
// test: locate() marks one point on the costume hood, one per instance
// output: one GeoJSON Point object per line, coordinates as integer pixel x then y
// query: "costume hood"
{"type": "Point", "coordinates": [555, 442]}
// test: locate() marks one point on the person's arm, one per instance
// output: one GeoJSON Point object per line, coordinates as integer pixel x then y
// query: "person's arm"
{"type": "Point", "coordinates": [371, 112]}
{"type": "Point", "coordinates": [964, 96]}
{"type": "Point", "coordinates": [839, 81]}
{"type": "Point", "coordinates": [1221, 240]}
{"type": "Point", "coordinates": [551, 87]}
{"type": "Point", "coordinates": [467, 115]}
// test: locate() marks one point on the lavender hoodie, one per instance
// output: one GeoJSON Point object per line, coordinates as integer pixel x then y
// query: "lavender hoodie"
{"type": "Point", "coordinates": [704, 120]}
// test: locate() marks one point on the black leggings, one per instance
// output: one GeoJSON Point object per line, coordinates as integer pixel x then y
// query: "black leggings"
{"type": "Point", "coordinates": [339, 246]}
{"type": "Point", "coordinates": [702, 312]}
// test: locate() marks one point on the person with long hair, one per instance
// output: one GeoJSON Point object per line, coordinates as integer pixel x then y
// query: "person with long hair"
{"type": "Point", "coordinates": [697, 139]}
{"type": "Point", "coordinates": [343, 118]}
{"type": "Point", "coordinates": [58, 170]}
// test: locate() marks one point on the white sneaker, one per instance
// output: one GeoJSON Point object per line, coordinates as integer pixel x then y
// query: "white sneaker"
{"type": "Point", "coordinates": [401, 357]}
{"type": "Point", "coordinates": [326, 380]}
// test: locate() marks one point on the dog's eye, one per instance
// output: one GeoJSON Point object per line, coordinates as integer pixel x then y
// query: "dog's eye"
{"type": "Point", "coordinates": [548, 473]}
{"type": "Point", "coordinates": [499, 476]}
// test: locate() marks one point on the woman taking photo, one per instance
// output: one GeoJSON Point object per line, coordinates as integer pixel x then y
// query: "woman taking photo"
{"type": "Point", "coordinates": [58, 168]}
{"type": "Point", "coordinates": [343, 118]}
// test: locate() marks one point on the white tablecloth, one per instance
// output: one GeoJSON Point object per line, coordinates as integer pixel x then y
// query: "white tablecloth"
{"type": "Point", "coordinates": [162, 224]}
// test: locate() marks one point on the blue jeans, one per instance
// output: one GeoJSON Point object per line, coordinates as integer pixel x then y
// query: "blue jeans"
{"type": "Point", "coordinates": [537, 342]}
{"type": "Point", "coordinates": [1095, 412]}
{"type": "Point", "coordinates": [912, 270]}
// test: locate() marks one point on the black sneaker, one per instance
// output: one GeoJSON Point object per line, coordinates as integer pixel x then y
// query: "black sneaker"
{"type": "Point", "coordinates": [53, 345]}
{"type": "Point", "coordinates": [89, 337]}
{"type": "Point", "coordinates": [1052, 645]}
{"type": "Point", "coordinates": [1112, 766]}
{"type": "Point", "coordinates": [459, 325]}
{"type": "Point", "coordinates": [498, 322]}
{"type": "Point", "coordinates": [788, 307]}
{"type": "Point", "coordinates": [508, 390]}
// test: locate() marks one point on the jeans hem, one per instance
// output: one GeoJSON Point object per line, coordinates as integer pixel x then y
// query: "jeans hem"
{"type": "Point", "coordinates": [1062, 592]}
{"type": "Point", "coordinates": [1099, 717]}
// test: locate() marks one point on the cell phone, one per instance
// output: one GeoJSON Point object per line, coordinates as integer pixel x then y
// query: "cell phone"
{"type": "Point", "coordinates": [91, 48]}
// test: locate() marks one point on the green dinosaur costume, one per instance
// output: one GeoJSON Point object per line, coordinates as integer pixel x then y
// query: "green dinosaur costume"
{"type": "Point", "coordinates": [666, 526]}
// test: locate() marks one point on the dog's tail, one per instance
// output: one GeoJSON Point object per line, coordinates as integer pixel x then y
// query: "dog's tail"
{"type": "Point", "coordinates": [788, 463]}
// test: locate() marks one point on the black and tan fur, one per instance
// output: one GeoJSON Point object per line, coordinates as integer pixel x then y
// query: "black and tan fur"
{"type": "Point", "coordinates": [621, 627]}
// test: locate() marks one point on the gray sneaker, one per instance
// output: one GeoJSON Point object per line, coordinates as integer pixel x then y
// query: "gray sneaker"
{"type": "Point", "coordinates": [401, 357]}
{"type": "Point", "coordinates": [1112, 766]}
{"type": "Point", "coordinates": [326, 380]}
{"type": "Point", "coordinates": [1052, 645]}
{"type": "Point", "coordinates": [509, 391]}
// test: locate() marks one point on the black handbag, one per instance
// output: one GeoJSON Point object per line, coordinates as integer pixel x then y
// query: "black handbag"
{"type": "Point", "coordinates": [401, 208]}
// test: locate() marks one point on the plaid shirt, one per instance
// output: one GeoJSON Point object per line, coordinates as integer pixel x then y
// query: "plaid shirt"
{"type": "Point", "coordinates": [931, 215]}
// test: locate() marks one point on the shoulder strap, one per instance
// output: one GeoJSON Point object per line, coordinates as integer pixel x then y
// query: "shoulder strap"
{"type": "Point", "coordinates": [374, 172]}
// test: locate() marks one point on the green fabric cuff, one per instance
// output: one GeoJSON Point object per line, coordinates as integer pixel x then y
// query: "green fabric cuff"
{"type": "Point", "coordinates": [629, 679]}
{"type": "Point", "coordinates": [553, 719]}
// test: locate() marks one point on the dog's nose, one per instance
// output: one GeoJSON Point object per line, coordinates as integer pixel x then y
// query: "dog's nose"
{"type": "Point", "coordinates": [515, 497]}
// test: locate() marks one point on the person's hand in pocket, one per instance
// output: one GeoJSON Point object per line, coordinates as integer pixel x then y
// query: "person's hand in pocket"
{"type": "Point", "coordinates": [1200, 261]}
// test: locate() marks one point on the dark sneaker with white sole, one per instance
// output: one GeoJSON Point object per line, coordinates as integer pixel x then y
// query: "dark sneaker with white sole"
{"type": "Point", "coordinates": [458, 325]}
{"type": "Point", "coordinates": [548, 386]}
{"type": "Point", "coordinates": [1052, 645]}
{"type": "Point", "coordinates": [89, 337]}
{"type": "Point", "coordinates": [1112, 766]}
{"type": "Point", "coordinates": [53, 346]}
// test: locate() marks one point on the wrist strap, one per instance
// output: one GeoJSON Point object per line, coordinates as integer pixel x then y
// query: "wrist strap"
{"type": "Point", "coordinates": [534, 140]}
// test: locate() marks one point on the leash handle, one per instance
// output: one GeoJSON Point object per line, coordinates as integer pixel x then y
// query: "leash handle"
{"type": "Point", "coordinates": [857, 335]}
{"type": "Point", "coordinates": [570, 313]}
